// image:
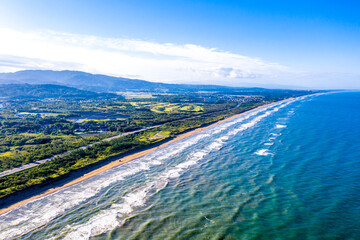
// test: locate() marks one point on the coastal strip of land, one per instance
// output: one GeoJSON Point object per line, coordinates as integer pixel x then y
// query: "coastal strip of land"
{"type": "Point", "coordinates": [42, 161]}
{"type": "Point", "coordinates": [123, 160]}
{"type": "Point", "coordinates": [37, 163]}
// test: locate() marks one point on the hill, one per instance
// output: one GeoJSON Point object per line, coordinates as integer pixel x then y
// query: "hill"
{"type": "Point", "coordinates": [101, 83]}
{"type": "Point", "coordinates": [14, 91]}
{"type": "Point", "coordinates": [97, 83]}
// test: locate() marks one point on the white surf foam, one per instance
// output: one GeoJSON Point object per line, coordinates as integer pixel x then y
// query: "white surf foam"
{"type": "Point", "coordinates": [41, 211]}
{"type": "Point", "coordinates": [221, 127]}
{"type": "Point", "coordinates": [263, 152]}
{"type": "Point", "coordinates": [269, 144]}
{"type": "Point", "coordinates": [271, 179]}
{"type": "Point", "coordinates": [256, 120]}
{"type": "Point", "coordinates": [113, 217]}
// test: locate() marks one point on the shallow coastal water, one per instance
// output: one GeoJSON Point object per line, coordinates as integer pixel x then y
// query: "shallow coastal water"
{"type": "Point", "coordinates": [289, 170]}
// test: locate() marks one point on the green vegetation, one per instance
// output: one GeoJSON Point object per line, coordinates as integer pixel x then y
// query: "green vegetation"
{"type": "Point", "coordinates": [49, 91]}
{"type": "Point", "coordinates": [164, 107]}
{"type": "Point", "coordinates": [85, 157]}
{"type": "Point", "coordinates": [35, 128]}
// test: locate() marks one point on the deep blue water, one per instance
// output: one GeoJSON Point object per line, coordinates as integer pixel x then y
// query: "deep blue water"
{"type": "Point", "coordinates": [290, 170]}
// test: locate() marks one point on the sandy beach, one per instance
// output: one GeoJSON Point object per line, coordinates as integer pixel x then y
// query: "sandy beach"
{"type": "Point", "coordinates": [122, 161]}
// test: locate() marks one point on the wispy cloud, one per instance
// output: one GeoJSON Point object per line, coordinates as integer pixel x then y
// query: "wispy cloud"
{"type": "Point", "coordinates": [127, 57]}
{"type": "Point", "coordinates": [152, 61]}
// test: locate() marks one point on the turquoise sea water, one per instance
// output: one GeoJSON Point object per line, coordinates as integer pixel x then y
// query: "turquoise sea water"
{"type": "Point", "coordinates": [290, 170]}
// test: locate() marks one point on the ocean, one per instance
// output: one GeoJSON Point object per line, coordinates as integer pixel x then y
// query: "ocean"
{"type": "Point", "coordinates": [289, 170]}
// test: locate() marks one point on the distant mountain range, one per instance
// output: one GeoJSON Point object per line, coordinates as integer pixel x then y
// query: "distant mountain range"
{"type": "Point", "coordinates": [16, 91]}
{"type": "Point", "coordinates": [103, 83]}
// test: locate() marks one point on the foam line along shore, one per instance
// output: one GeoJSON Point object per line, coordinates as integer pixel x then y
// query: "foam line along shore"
{"type": "Point", "coordinates": [128, 158]}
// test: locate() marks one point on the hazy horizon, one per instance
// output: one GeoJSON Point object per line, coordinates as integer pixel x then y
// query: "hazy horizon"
{"type": "Point", "coordinates": [243, 85]}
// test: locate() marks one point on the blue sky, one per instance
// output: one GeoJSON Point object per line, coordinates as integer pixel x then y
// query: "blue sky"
{"type": "Point", "coordinates": [312, 44]}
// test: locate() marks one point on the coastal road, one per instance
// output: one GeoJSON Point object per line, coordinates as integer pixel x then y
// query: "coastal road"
{"type": "Point", "coordinates": [37, 163]}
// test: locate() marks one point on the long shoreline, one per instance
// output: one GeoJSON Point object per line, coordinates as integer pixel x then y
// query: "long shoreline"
{"type": "Point", "coordinates": [125, 159]}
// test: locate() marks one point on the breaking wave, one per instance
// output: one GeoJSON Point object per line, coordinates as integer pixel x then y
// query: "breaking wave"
{"type": "Point", "coordinates": [40, 212]}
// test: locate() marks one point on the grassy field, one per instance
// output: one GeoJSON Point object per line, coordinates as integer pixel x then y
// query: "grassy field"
{"type": "Point", "coordinates": [38, 130]}
{"type": "Point", "coordinates": [136, 95]}
{"type": "Point", "coordinates": [84, 157]}
{"type": "Point", "coordinates": [169, 107]}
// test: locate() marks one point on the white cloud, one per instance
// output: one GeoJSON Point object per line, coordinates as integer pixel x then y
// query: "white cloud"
{"type": "Point", "coordinates": [152, 61]}
{"type": "Point", "coordinates": [126, 57]}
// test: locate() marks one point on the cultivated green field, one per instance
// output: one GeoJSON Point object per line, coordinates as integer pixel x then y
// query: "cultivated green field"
{"type": "Point", "coordinates": [169, 107]}
{"type": "Point", "coordinates": [33, 129]}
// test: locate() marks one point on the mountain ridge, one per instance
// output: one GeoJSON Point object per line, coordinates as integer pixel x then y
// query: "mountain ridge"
{"type": "Point", "coordinates": [41, 91]}
{"type": "Point", "coordinates": [103, 83]}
